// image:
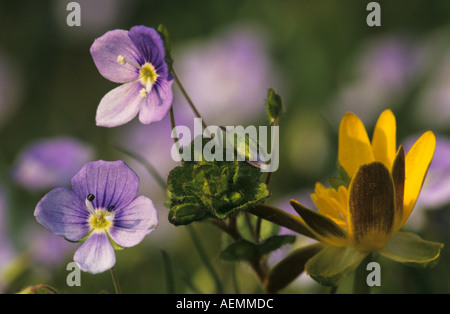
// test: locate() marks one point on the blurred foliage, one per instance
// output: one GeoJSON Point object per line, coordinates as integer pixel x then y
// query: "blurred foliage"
{"type": "Point", "coordinates": [312, 42]}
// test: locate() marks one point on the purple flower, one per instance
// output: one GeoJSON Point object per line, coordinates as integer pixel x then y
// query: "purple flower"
{"type": "Point", "coordinates": [100, 210]}
{"type": "Point", "coordinates": [382, 71]}
{"type": "Point", "coordinates": [49, 163]}
{"type": "Point", "coordinates": [227, 76]}
{"type": "Point", "coordinates": [46, 248]}
{"type": "Point", "coordinates": [135, 58]}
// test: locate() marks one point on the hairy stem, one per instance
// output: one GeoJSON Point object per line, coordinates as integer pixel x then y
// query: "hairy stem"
{"type": "Point", "coordinates": [115, 281]}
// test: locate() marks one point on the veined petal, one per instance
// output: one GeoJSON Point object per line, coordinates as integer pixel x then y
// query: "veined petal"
{"type": "Point", "coordinates": [96, 255]}
{"type": "Point", "coordinates": [354, 145]}
{"type": "Point", "coordinates": [371, 207]}
{"type": "Point", "coordinates": [417, 162]}
{"type": "Point", "coordinates": [105, 51]}
{"type": "Point", "coordinates": [408, 248]}
{"type": "Point", "coordinates": [157, 103]}
{"type": "Point", "coordinates": [398, 176]}
{"type": "Point", "coordinates": [332, 264]}
{"type": "Point", "coordinates": [120, 105]}
{"type": "Point", "coordinates": [133, 222]}
{"type": "Point", "coordinates": [149, 45]}
{"type": "Point", "coordinates": [112, 183]}
{"type": "Point", "coordinates": [384, 139]}
{"type": "Point", "coordinates": [62, 212]}
{"type": "Point", "coordinates": [321, 226]}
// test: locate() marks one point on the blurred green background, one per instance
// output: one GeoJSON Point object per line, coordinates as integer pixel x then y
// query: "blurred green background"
{"type": "Point", "coordinates": [324, 60]}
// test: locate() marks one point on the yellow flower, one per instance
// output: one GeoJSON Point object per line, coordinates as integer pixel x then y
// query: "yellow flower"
{"type": "Point", "coordinates": [371, 200]}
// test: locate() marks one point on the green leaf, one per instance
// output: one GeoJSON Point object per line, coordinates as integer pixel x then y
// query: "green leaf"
{"type": "Point", "coordinates": [342, 178]}
{"type": "Point", "coordinates": [186, 213]}
{"type": "Point", "coordinates": [243, 220]}
{"type": "Point", "coordinates": [241, 250]}
{"type": "Point", "coordinates": [410, 249]}
{"type": "Point", "coordinates": [217, 189]}
{"type": "Point", "coordinates": [333, 264]}
{"type": "Point", "coordinates": [244, 250]}
{"type": "Point", "coordinates": [274, 243]}
{"type": "Point", "coordinates": [274, 105]}
{"type": "Point", "coordinates": [289, 268]}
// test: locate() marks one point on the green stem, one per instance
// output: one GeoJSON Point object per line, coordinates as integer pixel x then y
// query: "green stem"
{"type": "Point", "coordinates": [205, 259]}
{"type": "Point", "coordinates": [252, 230]}
{"type": "Point", "coordinates": [115, 281]}
{"type": "Point", "coordinates": [169, 272]}
{"type": "Point", "coordinates": [173, 125]}
{"type": "Point", "coordinates": [186, 96]}
{"type": "Point", "coordinates": [333, 290]}
{"type": "Point", "coordinates": [268, 178]}
{"type": "Point", "coordinates": [235, 279]}
{"type": "Point", "coordinates": [360, 285]}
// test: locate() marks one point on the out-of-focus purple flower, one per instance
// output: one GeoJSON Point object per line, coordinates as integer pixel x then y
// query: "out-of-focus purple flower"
{"type": "Point", "coordinates": [433, 105]}
{"type": "Point", "coordinates": [101, 210]}
{"type": "Point", "coordinates": [49, 163]}
{"type": "Point", "coordinates": [153, 143]}
{"type": "Point", "coordinates": [136, 59]}
{"type": "Point", "coordinates": [380, 75]}
{"type": "Point", "coordinates": [46, 248]}
{"type": "Point", "coordinates": [227, 77]}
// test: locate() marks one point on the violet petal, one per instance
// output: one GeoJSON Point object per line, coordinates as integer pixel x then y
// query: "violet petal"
{"type": "Point", "coordinates": [112, 183]}
{"type": "Point", "coordinates": [96, 255]}
{"type": "Point", "coordinates": [120, 105]}
{"type": "Point", "coordinates": [105, 51]}
{"type": "Point", "coordinates": [50, 163]}
{"type": "Point", "coordinates": [149, 45]}
{"type": "Point", "coordinates": [157, 103]}
{"type": "Point", "coordinates": [63, 213]}
{"type": "Point", "coordinates": [133, 222]}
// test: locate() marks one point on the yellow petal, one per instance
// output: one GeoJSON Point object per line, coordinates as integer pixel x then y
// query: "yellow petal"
{"type": "Point", "coordinates": [321, 226]}
{"type": "Point", "coordinates": [354, 145]}
{"type": "Point", "coordinates": [417, 162]}
{"type": "Point", "coordinates": [384, 139]}
{"type": "Point", "coordinates": [332, 203]}
{"type": "Point", "coordinates": [371, 207]}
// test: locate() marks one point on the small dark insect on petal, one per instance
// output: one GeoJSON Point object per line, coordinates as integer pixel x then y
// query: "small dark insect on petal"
{"type": "Point", "coordinates": [90, 197]}
{"type": "Point", "coordinates": [111, 208]}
